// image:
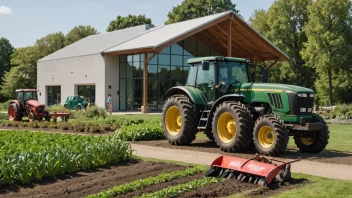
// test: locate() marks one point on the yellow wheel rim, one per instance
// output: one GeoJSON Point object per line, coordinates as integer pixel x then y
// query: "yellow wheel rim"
{"type": "Point", "coordinates": [266, 137]}
{"type": "Point", "coordinates": [173, 121]}
{"type": "Point", "coordinates": [226, 127]}
{"type": "Point", "coordinates": [308, 141]}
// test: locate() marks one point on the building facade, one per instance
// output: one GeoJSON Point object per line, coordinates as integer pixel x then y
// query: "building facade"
{"type": "Point", "coordinates": [126, 62]}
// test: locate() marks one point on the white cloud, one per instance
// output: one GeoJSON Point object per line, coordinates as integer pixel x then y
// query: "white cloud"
{"type": "Point", "coordinates": [145, 6]}
{"type": "Point", "coordinates": [5, 10]}
{"type": "Point", "coordinates": [97, 5]}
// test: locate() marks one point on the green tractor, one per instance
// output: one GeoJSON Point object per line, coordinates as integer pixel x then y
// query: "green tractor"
{"type": "Point", "coordinates": [221, 99]}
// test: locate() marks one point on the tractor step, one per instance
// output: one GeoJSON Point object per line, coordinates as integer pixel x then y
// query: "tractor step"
{"type": "Point", "coordinates": [204, 119]}
{"type": "Point", "coordinates": [202, 128]}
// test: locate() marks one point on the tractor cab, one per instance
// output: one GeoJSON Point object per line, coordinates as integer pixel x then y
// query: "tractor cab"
{"type": "Point", "coordinates": [218, 76]}
{"type": "Point", "coordinates": [23, 95]}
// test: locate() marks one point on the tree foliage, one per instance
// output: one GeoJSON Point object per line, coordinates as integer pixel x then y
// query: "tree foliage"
{"type": "Point", "coordinates": [50, 43]}
{"type": "Point", "coordinates": [328, 49]}
{"type": "Point", "coordinates": [282, 23]}
{"type": "Point", "coordinates": [78, 33]}
{"type": "Point", "coordinates": [191, 9]}
{"type": "Point", "coordinates": [6, 50]}
{"type": "Point", "coordinates": [129, 21]}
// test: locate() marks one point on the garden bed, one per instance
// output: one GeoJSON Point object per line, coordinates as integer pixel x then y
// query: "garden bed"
{"type": "Point", "coordinates": [90, 182]}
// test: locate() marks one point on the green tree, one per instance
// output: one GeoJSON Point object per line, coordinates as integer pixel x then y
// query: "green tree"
{"type": "Point", "coordinates": [6, 49]}
{"type": "Point", "coordinates": [328, 49]}
{"type": "Point", "coordinates": [12, 80]}
{"type": "Point", "coordinates": [191, 9]}
{"type": "Point", "coordinates": [50, 43]}
{"type": "Point", "coordinates": [129, 21]}
{"type": "Point", "coordinates": [79, 32]}
{"type": "Point", "coordinates": [282, 23]}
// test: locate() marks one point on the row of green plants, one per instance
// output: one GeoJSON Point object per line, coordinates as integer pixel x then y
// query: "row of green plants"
{"type": "Point", "coordinates": [27, 156]}
{"type": "Point", "coordinates": [143, 183]}
{"type": "Point", "coordinates": [173, 191]}
{"type": "Point", "coordinates": [146, 131]}
{"type": "Point", "coordinates": [77, 126]}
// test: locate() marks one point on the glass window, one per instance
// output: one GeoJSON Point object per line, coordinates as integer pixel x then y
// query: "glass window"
{"type": "Point", "coordinates": [123, 70]}
{"type": "Point", "coordinates": [163, 71]}
{"type": "Point", "coordinates": [130, 70]}
{"type": "Point", "coordinates": [176, 72]}
{"type": "Point", "coordinates": [206, 78]}
{"type": "Point", "coordinates": [166, 50]}
{"type": "Point", "coordinates": [185, 72]}
{"type": "Point", "coordinates": [164, 85]}
{"type": "Point", "coordinates": [152, 88]}
{"type": "Point", "coordinates": [123, 97]}
{"type": "Point", "coordinates": [176, 49]}
{"type": "Point", "coordinates": [54, 95]}
{"type": "Point", "coordinates": [176, 60]}
{"type": "Point", "coordinates": [164, 59]}
{"type": "Point", "coordinates": [138, 88]}
{"type": "Point", "coordinates": [233, 71]}
{"type": "Point", "coordinates": [154, 60]}
{"type": "Point", "coordinates": [123, 58]}
{"type": "Point", "coordinates": [129, 58]}
{"type": "Point", "coordinates": [153, 104]}
{"type": "Point", "coordinates": [185, 59]}
{"type": "Point", "coordinates": [19, 95]}
{"type": "Point", "coordinates": [137, 103]}
{"type": "Point", "coordinates": [136, 57]}
{"type": "Point", "coordinates": [192, 75]}
{"type": "Point", "coordinates": [152, 71]}
{"type": "Point", "coordinates": [136, 69]}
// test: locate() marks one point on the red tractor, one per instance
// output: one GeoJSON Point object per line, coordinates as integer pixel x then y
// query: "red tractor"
{"type": "Point", "coordinates": [27, 105]}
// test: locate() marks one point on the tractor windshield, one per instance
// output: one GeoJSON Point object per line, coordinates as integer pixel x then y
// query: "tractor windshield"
{"type": "Point", "coordinates": [232, 72]}
{"type": "Point", "coordinates": [30, 95]}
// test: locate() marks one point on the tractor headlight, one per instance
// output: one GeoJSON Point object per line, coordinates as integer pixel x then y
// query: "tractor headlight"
{"type": "Point", "coordinates": [304, 95]}
{"type": "Point", "coordinates": [302, 110]}
{"type": "Point", "coordinates": [309, 110]}
{"type": "Point", "coordinates": [311, 95]}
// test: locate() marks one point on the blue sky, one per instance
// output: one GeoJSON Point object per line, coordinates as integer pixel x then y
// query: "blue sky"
{"type": "Point", "coordinates": [24, 21]}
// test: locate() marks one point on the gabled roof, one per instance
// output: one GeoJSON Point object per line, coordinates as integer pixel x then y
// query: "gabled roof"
{"type": "Point", "coordinates": [96, 44]}
{"type": "Point", "coordinates": [163, 34]}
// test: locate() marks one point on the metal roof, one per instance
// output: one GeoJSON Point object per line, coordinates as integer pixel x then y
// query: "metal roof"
{"type": "Point", "coordinates": [213, 58]}
{"type": "Point", "coordinates": [96, 44]}
{"type": "Point", "coordinates": [165, 33]}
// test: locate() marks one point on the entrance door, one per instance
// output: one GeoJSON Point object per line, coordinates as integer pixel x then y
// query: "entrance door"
{"type": "Point", "coordinates": [88, 92]}
{"type": "Point", "coordinates": [54, 95]}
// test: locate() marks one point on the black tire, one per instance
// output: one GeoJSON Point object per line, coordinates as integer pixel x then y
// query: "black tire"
{"type": "Point", "coordinates": [176, 134]}
{"type": "Point", "coordinates": [321, 138]}
{"type": "Point", "coordinates": [209, 134]}
{"type": "Point", "coordinates": [240, 115]}
{"type": "Point", "coordinates": [18, 114]}
{"type": "Point", "coordinates": [278, 139]}
{"type": "Point", "coordinates": [47, 116]}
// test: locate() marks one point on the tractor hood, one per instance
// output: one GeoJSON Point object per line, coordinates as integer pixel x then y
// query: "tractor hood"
{"type": "Point", "coordinates": [34, 103]}
{"type": "Point", "coordinates": [273, 87]}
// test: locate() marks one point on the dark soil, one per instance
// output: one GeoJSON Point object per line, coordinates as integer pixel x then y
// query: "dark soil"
{"type": "Point", "coordinates": [326, 156]}
{"type": "Point", "coordinates": [84, 183]}
{"type": "Point", "coordinates": [56, 130]}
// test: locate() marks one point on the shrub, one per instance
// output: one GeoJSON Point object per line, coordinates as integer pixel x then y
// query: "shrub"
{"type": "Point", "coordinates": [59, 109]}
{"type": "Point", "coordinates": [95, 112]}
{"type": "Point", "coordinates": [3, 116]}
{"type": "Point", "coordinates": [341, 112]}
{"type": "Point", "coordinates": [149, 131]}
{"type": "Point", "coordinates": [5, 105]}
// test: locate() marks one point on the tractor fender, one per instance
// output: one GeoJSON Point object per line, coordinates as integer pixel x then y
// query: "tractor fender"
{"type": "Point", "coordinates": [229, 97]}
{"type": "Point", "coordinates": [191, 92]}
{"type": "Point", "coordinates": [17, 102]}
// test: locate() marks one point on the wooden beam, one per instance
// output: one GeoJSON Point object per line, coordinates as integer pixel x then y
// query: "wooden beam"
{"type": "Point", "coordinates": [229, 39]}
{"type": "Point", "coordinates": [144, 108]}
{"type": "Point", "coordinates": [193, 32]}
{"type": "Point", "coordinates": [274, 63]}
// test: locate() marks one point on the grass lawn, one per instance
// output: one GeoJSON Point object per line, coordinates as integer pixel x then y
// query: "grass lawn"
{"type": "Point", "coordinates": [319, 187]}
{"type": "Point", "coordinates": [340, 138]}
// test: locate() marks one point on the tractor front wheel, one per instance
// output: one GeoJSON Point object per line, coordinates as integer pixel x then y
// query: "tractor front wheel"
{"type": "Point", "coordinates": [14, 113]}
{"type": "Point", "coordinates": [179, 120]}
{"type": "Point", "coordinates": [318, 141]}
{"type": "Point", "coordinates": [232, 127]}
{"type": "Point", "coordinates": [270, 135]}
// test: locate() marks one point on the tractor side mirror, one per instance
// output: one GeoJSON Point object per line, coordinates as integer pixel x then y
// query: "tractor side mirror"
{"type": "Point", "coordinates": [205, 65]}
{"type": "Point", "coordinates": [264, 76]}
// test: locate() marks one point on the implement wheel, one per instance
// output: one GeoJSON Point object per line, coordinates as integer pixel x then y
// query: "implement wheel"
{"type": "Point", "coordinates": [14, 113]}
{"type": "Point", "coordinates": [232, 127]}
{"type": "Point", "coordinates": [270, 135]}
{"type": "Point", "coordinates": [179, 120]}
{"type": "Point", "coordinates": [318, 141]}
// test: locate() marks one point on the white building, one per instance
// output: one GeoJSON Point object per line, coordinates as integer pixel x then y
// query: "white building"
{"type": "Point", "coordinates": [114, 63]}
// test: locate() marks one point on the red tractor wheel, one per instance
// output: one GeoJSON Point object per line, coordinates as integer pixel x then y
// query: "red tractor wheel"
{"type": "Point", "coordinates": [14, 112]}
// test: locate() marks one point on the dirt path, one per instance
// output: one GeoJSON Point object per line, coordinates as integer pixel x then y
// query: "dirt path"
{"type": "Point", "coordinates": [336, 171]}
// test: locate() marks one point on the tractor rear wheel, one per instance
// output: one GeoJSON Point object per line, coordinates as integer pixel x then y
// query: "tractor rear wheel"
{"type": "Point", "coordinates": [14, 113]}
{"type": "Point", "coordinates": [209, 134]}
{"type": "Point", "coordinates": [318, 141]}
{"type": "Point", "coordinates": [270, 135]}
{"type": "Point", "coordinates": [179, 120]}
{"type": "Point", "coordinates": [232, 127]}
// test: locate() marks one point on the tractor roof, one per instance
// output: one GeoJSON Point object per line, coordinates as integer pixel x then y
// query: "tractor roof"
{"type": "Point", "coordinates": [214, 58]}
{"type": "Point", "coordinates": [26, 90]}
